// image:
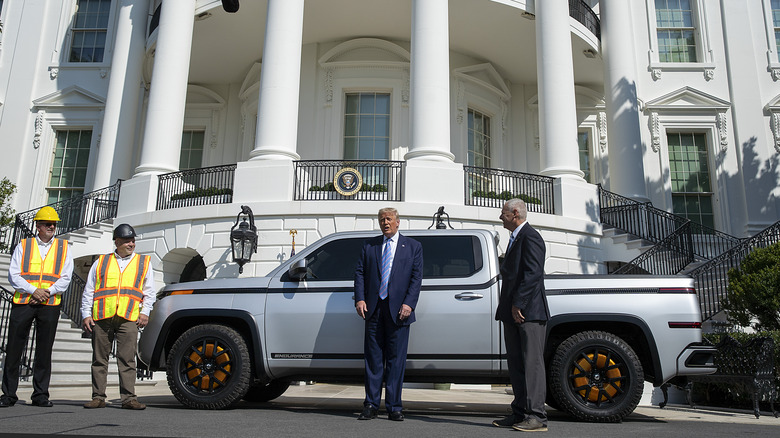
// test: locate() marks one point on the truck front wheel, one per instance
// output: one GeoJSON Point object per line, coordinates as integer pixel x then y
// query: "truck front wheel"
{"type": "Point", "coordinates": [596, 376]}
{"type": "Point", "coordinates": [209, 367]}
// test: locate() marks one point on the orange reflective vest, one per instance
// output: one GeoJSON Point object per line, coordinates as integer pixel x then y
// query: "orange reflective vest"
{"type": "Point", "coordinates": [42, 273]}
{"type": "Point", "coordinates": [119, 292]}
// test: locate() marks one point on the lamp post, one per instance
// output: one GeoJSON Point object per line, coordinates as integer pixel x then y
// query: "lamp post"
{"type": "Point", "coordinates": [438, 219]}
{"type": "Point", "coordinates": [243, 238]}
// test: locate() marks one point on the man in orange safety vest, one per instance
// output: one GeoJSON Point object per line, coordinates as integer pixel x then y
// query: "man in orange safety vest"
{"type": "Point", "coordinates": [40, 272]}
{"type": "Point", "coordinates": [117, 300]}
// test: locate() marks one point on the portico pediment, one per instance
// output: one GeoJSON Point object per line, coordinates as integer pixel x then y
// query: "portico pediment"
{"type": "Point", "coordinates": [484, 75]}
{"type": "Point", "coordinates": [71, 97]}
{"type": "Point", "coordinates": [687, 98]}
{"type": "Point", "coordinates": [361, 51]}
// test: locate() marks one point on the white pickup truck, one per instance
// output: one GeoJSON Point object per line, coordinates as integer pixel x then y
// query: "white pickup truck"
{"type": "Point", "coordinates": [224, 340]}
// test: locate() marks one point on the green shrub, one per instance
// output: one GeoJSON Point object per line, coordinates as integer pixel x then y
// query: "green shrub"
{"type": "Point", "coordinates": [754, 290]}
{"type": "Point", "coordinates": [505, 196]}
{"type": "Point", "coordinates": [201, 192]}
{"type": "Point", "coordinates": [7, 214]}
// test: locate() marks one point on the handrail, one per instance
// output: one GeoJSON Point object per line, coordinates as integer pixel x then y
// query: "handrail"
{"type": "Point", "coordinates": [668, 257]}
{"type": "Point", "coordinates": [71, 299]}
{"type": "Point", "coordinates": [711, 278]}
{"type": "Point", "coordinates": [191, 187]}
{"type": "Point", "coordinates": [28, 358]}
{"type": "Point", "coordinates": [75, 213]}
{"type": "Point", "coordinates": [580, 11]}
{"type": "Point", "coordinates": [654, 225]}
{"type": "Point", "coordinates": [487, 187]}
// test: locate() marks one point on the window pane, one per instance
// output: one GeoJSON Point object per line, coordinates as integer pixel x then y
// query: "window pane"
{"type": "Point", "coordinates": [367, 126]}
{"type": "Point", "coordinates": [191, 156]}
{"type": "Point", "coordinates": [90, 25]}
{"type": "Point", "coordinates": [478, 153]}
{"type": "Point", "coordinates": [675, 31]}
{"type": "Point", "coordinates": [690, 178]}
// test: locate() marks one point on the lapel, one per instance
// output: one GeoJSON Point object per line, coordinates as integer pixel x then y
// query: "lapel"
{"type": "Point", "coordinates": [517, 240]}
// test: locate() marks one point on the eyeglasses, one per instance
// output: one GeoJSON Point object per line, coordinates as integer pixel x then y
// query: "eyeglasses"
{"type": "Point", "coordinates": [47, 224]}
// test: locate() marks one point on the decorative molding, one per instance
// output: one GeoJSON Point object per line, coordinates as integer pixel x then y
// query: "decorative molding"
{"type": "Point", "coordinates": [504, 117]}
{"type": "Point", "coordinates": [602, 127]}
{"type": "Point", "coordinates": [537, 140]}
{"type": "Point", "coordinates": [776, 129]}
{"type": "Point", "coordinates": [97, 142]}
{"type": "Point", "coordinates": [723, 131]}
{"type": "Point", "coordinates": [775, 73]}
{"type": "Point", "coordinates": [103, 73]}
{"type": "Point", "coordinates": [214, 128]}
{"type": "Point", "coordinates": [405, 90]}
{"type": "Point", "coordinates": [655, 131]}
{"type": "Point", "coordinates": [54, 72]}
{"type": "Point", "coordinates": [38, 129]}
{"type": "Point", "coordinates": [655, 73]}
{"type": "Point", "coordinates": [709, 73]}
{"type": "Point", "coordinates": [460, 100]}
{"type": "Point", "coordinates": [328, 88]}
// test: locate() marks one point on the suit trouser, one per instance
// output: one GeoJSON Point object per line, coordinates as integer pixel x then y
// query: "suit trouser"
{"type": "Point", "coordinates": [19, 324]}
{"type": "Point", "coordinates": [103, 334]}
{"type": "Point", "coordinates": [525, 359]}
{"type": "Point", "coordinates": [385, 346]}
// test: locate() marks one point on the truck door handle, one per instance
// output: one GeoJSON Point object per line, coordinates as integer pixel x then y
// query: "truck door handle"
{"type": "Point", "coordinates": [468, 296]}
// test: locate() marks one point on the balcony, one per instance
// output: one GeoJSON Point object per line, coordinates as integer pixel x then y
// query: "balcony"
{"type": "Point", "coordinates": [192, 187]}
{"type": "Point", "coordinates": [367, 180]}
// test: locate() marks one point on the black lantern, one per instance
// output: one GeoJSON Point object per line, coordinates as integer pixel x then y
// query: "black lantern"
{"type": "Point", "coordinates": [243, 238]}
{"type": "Point", "coordinates": [439, 220]}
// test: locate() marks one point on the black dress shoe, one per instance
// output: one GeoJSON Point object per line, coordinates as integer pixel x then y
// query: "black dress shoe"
{"type": "Point", "coordinates": [43, 403]}
{"type": "Point", "coordinates": [368, 413]}
{"type": "Point", "coordinates": [6, 402]}
{"type": "Point", "coordinates": [395, 416]}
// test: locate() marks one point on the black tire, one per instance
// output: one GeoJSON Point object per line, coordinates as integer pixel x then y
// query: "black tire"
{"type": "Point", "coordinates": [209, 367]}
{"type": "Point", "coordinates": [596, 376]}
{"type": "Point", "coordinates": [267, 392]}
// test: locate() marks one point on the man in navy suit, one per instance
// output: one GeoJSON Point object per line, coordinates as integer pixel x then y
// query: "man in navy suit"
{"type": "Point", "coordinates": [523, 310]}
{"type": "Point", "coordinates": [388, 277]}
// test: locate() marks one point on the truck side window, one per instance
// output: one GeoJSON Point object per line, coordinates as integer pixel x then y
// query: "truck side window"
{"type": "Point", "coordinates": [334, 261]}
{"type": "Point", "coordinates": [450, 256]}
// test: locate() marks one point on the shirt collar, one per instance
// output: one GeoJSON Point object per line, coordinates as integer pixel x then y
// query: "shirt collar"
{"type": "Point", "coordinates": [118, 257]}
{"type": "Point", "coordinates": [42, 243]}
{"type": "Point", "coordinates": [394, 238]}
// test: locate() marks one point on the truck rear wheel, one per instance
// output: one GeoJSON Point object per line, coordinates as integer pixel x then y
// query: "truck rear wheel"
{"type": "Point", "coordinates": [596, 376]}
{"type": "Point", "coordinates": [209, 367]}
{"type": "Point", "coordinates": [266, 392]}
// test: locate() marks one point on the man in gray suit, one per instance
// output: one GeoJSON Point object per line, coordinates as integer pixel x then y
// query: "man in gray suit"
{"type": "Point", "coordinates": [523, 310]}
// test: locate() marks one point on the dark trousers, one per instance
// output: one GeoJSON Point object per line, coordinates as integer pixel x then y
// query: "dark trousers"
{"type": "Point", "coordinates": [385, 346]}
{"type": "Point", "coordinates": [525, 358]}
{"type": "Point", "coordinates": [103, 334]}
{"type": "Point", "coordinates": [19, 323]}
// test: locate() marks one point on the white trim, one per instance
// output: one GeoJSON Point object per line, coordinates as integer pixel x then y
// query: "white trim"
{"type": "Point", "coordinates": [773, 62]}
{"type": "Point", "coordinates": [704, 53]}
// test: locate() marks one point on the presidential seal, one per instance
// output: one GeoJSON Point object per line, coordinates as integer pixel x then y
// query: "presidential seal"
{"type": "Point", "coordinates": [348, 181]}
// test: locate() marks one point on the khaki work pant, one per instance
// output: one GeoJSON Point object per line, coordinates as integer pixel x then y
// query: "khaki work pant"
{"type": "Point", "coordinates": [104, 333]}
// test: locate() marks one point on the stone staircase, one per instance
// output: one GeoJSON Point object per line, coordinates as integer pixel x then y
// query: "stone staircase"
{"type": "Point", "coordinates": [622, 246]}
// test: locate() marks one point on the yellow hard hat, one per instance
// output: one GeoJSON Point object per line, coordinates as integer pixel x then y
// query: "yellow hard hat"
{"type": "Point", "coordinates": [47, 214]}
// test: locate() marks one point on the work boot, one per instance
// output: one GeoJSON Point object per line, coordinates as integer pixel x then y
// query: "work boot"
{"type": "Point", "coordinates": [95, 403]}
{"type": "Point", "coordinates": [134, 405]}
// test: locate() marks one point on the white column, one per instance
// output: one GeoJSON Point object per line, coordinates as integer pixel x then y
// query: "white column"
{"type": "Point", "coordinates": [119, 120]}
{"type": "Point", "coordinates": [168, 93]}
{"type": "Point", "coordinates": [557, 105]}
{"type": "Point", "coordinates": [430, 82]}
{"type": "Point", "coordinates": [626, 168]}
{"type": "Point", "coordinates": [277, 110]}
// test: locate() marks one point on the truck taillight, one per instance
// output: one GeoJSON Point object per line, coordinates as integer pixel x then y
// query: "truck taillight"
{"type": "Point", "coordinates": [677, 324]}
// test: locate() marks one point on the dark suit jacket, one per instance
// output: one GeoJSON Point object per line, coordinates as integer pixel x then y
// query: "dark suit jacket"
{"type": "Point", "coordinates": [522, 275]}
{"type": "Point", "coordinates": [405, 277]}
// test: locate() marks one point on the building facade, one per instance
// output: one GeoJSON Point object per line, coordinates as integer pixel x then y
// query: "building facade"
{"type": "Point", "coordinates": [673, 102]}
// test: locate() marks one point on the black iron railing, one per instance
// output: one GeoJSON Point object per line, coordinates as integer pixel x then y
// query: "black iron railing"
{"type": "Point", "coordinates": [668, 257]}
{"type": "Point", "coordinates": [382, 180]}
{"type": "Point", "coordinates": [654, 225]}
{"type": "Point", "coordinates": [711, 278]}
{"type": "Point", "coordinates": [6, 238]}
{"type": "Point", "coordinates": [580, 11]}
{"type": "Point", "coordinates": [205, 186]}
{"type": "Point", "coordinates": [26, 364]}
{"type": "Point", "coordinates": [75, 213]}
{"type": "Point", "coordinates": [71, 299]}
{"type": "Point", "coordinates": [487, 187]}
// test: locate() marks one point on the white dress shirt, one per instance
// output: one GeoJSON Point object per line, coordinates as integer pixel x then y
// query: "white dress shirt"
{"type": "Point", "coordinates": [21, 285]}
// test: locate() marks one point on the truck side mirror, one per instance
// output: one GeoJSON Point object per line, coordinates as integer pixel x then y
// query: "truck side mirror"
{"type": "Point", "coordinates": [298, 270]}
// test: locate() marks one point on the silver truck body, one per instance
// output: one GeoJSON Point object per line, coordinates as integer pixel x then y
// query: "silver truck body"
{"type": "Point", "coordinates": [307, 329]}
